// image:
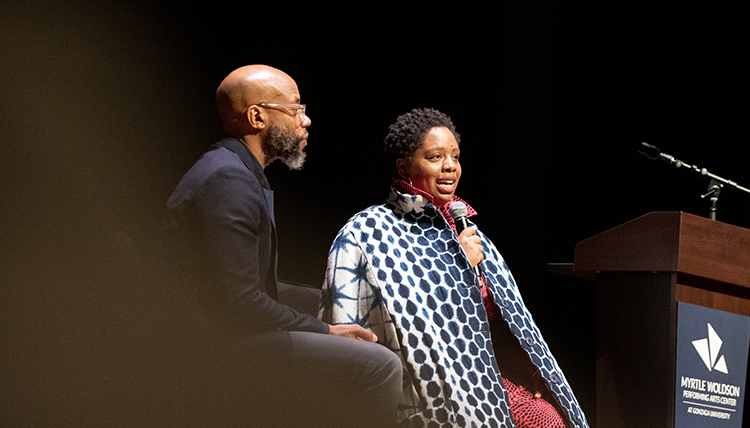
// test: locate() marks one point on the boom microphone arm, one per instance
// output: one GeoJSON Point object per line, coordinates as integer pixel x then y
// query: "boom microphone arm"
{"type": "Point", "coordinates": [714, 188]}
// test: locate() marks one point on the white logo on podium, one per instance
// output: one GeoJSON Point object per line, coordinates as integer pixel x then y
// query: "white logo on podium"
{"type": "Point", "coordinates": [709, 348]}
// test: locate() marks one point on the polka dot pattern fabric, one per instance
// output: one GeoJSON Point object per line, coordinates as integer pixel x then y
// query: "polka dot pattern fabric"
{"type": "Point", "coordinates": [399, 270]}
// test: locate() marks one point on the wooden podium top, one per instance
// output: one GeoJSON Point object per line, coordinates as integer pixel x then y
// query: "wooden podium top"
{"type": "Point", "coordinates": [670, 242]}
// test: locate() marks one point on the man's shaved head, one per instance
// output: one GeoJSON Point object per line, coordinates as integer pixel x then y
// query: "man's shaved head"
{"type": "Point", "coordinates": [250, 85]}
{"type": "Point", "coordinates": [260, 106]}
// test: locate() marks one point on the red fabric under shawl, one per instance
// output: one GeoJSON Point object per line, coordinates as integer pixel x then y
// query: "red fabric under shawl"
{"type": "Point", "coordinates": [529, 411]}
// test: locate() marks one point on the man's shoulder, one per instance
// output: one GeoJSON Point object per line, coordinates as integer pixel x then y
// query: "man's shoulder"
{"type": "Point", "coordinates": [218, 171]}
{"type": "Point", "coordinates": [218, 163]}
{"type": "Point", "coordinates": [215, 158]}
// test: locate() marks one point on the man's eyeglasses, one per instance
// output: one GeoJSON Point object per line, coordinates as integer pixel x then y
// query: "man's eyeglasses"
{"type": "Point", "coordinates": [299, 109]}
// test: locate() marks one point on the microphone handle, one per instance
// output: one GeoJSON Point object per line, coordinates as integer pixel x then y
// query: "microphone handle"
{"type": "Point", "coordinates": [461, 225]}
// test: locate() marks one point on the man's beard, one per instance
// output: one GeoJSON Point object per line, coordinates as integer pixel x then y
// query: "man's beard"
{"type": "Point", "coordinates": [283, 144]}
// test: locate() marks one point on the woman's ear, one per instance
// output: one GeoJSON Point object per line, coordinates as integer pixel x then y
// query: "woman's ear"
{"type": "Point", "coordinates": [401, 168]}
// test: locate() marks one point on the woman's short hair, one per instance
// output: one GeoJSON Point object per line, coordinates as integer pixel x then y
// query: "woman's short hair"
{"type": "Point", "coordinates": [406, 135]}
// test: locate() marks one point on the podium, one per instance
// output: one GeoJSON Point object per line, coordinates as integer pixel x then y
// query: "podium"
{"type": "Point", "coordinates": [642, 269]}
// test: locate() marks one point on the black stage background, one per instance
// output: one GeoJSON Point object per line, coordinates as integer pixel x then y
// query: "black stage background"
{"type": "Point", "coordinates": [106, 104]}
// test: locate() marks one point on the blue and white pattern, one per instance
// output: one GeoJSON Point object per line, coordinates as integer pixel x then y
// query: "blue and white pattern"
{"type": "Point", "coordinates": [399, 270]}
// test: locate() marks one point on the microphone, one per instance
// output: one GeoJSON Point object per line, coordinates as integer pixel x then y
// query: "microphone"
{"type": "Point", "coordinates": [458, 212]}
{"type": "Point", "coordinates": [650, 151]}
{"type": "Point", "coordinates": [653, 153]}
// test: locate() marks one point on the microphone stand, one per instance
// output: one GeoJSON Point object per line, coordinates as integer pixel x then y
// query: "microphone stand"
{"type": "Point", "coordinates": [715, 185]}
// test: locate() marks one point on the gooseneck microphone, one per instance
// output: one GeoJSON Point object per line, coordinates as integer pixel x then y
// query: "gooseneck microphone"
{"type": "Point", "coordinates": [458, 211]}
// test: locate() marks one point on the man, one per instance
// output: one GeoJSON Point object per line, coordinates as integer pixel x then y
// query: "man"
{"type": "Point", "coordinates": [223, 207]}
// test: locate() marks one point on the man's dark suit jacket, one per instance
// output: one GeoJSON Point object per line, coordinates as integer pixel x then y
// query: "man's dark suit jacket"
{"type": "Point", "coordinates": [223, 210]}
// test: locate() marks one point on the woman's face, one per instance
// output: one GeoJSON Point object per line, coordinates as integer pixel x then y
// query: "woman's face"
{"type": "Point", "coordinates": [434, 167]}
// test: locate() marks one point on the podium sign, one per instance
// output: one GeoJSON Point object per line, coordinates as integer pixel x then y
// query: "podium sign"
{"type": "Point", "coordinates": [712, 351]}
{"type": "Point", "coordinates": [644, 268]}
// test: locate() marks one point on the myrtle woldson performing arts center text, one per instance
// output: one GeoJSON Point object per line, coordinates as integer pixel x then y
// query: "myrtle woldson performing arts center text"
{"type": "Point", "coordinates": [709, 392]}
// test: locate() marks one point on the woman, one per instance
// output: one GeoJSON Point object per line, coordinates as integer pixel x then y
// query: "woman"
{"type": "Point", "coordinates": [400, 270]}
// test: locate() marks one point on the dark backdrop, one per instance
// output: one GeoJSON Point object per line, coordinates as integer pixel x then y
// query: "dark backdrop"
{"type": "Point", "coordinates": [106, 104]}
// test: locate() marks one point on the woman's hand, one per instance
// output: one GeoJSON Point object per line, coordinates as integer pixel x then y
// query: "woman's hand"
{"type": "Point", "coordinates": [472, 245]}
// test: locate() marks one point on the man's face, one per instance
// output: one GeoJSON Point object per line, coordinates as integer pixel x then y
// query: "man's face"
{"type": "Point", "coordinates": [286, 135]}
{"type": "Point", "coordinates": [285, 144]}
